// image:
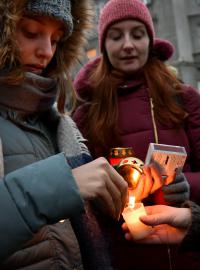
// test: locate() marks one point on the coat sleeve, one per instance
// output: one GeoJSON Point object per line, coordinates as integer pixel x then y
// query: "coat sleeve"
{"type": "Point", "coordinates": [191, 242]}
{"type": "Point", "coordinates": [33, 196]}
{"type": "Point", "coordinates": [191, 99]}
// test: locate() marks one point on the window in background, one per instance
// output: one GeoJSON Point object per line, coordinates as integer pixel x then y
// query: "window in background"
{"type": "Point", "coordinates": [92, 53]}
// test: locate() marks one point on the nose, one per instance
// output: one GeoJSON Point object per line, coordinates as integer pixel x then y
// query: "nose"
{"type": "Point", "coordinates": [45, 49]}
{"type": "Point", "coordinates": [128, 44]}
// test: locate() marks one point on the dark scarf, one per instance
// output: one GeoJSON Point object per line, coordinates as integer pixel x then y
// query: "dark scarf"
{"type": "Point", "coordinates": [35, 94]}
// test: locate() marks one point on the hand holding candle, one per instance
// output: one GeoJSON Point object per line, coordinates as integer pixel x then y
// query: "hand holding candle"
{"type": "Point", "coordinates": [131, 215]}
{"type": "Point", "coordinates": [170, 224]}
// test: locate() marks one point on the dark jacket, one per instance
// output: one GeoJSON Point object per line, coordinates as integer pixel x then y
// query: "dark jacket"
{"type": "Point", "coordinates": [191, 240]}
{"type": "Point", "coordinates": [135, 123]}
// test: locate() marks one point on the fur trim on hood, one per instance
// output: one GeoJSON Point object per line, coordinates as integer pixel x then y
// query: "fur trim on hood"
{"type": "Point", "coordinates": [69, 51]}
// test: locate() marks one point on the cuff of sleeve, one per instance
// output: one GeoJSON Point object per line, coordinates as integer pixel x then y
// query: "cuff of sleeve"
{"type": "Point", "coordinates": [192, 239]}
{"type": "Point", "coordinates": [12, 225]}
{"type": "Point", "coordinates": [45, 192]}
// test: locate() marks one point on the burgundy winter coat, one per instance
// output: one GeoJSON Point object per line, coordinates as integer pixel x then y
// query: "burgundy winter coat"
{"type": "Point", "coordinates": [135, 122]}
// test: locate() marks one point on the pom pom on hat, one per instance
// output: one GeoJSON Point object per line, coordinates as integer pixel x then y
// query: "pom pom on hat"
{"type": "Point", "coordinates": [162, 49]}
{"type": "Point", "coordinates": [118, 10]}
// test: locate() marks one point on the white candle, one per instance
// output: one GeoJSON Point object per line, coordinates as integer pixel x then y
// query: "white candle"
{"type": "Point", "coordinates": [131, 215]}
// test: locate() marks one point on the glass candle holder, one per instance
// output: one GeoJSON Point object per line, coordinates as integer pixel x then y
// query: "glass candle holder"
{"type": "Point", "coordinates": [130, 169]}
{"type": "Point", "coordinates": [132, 216]}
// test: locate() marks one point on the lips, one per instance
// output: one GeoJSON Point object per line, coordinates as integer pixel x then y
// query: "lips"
{"type": "Point", "coordinates": [129, 58]}
{"type": "Point", "coordinates": [37, 69]}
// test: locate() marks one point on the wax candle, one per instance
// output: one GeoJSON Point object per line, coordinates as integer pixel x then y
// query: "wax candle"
{"type": "Point", "coordinates": [131, 215]}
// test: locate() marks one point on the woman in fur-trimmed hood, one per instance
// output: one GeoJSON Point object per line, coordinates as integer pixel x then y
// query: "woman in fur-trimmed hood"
{"type": "Point", "coordinates": [69, 50]}
{"type": "Point", "coordinates": [46, 171]}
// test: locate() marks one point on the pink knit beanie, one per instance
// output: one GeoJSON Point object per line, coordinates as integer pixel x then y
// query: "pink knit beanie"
{"type": "Point", "coordinates": [117, 10]}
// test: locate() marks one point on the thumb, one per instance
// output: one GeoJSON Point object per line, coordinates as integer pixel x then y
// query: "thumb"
{"type": "Point", "coordinates": [152, 220]}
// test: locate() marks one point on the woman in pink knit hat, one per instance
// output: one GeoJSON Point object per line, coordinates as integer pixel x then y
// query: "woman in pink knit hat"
{"type": "Point", "coordinates": [130, 98]}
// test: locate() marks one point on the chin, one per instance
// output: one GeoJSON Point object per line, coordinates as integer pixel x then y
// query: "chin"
{"type": "Point", "coordinates": [130, 70]}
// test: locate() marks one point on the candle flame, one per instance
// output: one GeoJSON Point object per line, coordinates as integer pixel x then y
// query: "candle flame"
{"type": "Point", "coordinates": [131, 202]}
{"type": "Point", "coordinates": [135, 176]}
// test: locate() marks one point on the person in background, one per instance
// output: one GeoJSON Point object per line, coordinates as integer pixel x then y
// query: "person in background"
{"type": "Point", "coordinates": [172, 225]}
{"type": "Point", "coordinates": [130, 97]}
{"type": "Point", "coordinates": [47, 172]}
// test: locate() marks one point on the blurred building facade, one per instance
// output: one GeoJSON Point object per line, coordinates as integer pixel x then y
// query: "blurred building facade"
{"type": "Point", "coordinates": [175, 20]}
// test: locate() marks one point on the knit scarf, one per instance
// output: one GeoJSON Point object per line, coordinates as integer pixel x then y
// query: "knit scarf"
{"type": "Point", "coordinates": [35, 94]}
{"type": "Point", "coordinates": [86, 226]}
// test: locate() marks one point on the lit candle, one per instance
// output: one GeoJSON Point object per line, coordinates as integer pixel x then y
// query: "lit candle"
{"type": "Point", "coordinates": [131, 215]}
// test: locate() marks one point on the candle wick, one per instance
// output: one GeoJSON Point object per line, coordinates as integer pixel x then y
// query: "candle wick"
{"type": "Point", "coordinates": [131, 203]}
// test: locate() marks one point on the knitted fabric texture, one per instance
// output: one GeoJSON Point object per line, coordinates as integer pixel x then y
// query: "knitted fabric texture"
{"type": "Point", "coordinates": [34, 94]}
{"type": "Point", "coordinates": [191, 240]}
{"type": "Point", "coordinates": [118, 10]}
{"type": "Point", "coordinates": [58, 9]}
{"type": "Point", "coordinates": [71, 142]}
{"type": "Point", "coordinates": [92, 244]}
{"type": "Point", "coordinates": [162, 49]}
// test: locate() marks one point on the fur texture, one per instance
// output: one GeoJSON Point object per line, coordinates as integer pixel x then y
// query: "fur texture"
{"type": "Point", "coordinates": [69, 51]}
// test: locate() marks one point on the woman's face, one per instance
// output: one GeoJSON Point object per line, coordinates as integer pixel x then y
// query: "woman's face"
{"type": "Point", "coordinates": [127, 46]}
{"type": "Point", "coordinates": [38, 38]}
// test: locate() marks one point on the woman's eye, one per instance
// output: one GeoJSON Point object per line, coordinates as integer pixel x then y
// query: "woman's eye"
{"type": "Point", "coordinates": [54, 42]}
{"type": "Point", "coordinates": [30, 34]}
{"type": "Point", "coordinates": [138, 34]}
{"type": "Point", "coordinates": [117, 37]}
{"type": "Point", "coordinates": [56, 39]}
{"type": "Point", "coordinates": [114, 36]}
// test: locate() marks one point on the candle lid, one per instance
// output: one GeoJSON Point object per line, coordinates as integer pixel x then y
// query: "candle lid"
{"type": "Point", "coordinates": [121, 152]}
{"type": "Point", "coordinates": [130, 169]}
{"type": "Point", "coordinates": [133, 162]}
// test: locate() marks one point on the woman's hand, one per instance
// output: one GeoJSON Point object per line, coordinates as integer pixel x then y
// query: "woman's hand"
{"type": "Point", "coordinates": [170, 224]}
{"type": "Point", "coordinates": [178, 191]}
{"type": "Point", "coordinates": [99, 181]}
{"type": "Point", "coordinates": [149, 182]}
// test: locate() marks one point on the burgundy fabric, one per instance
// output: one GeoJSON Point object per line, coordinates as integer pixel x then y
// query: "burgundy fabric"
{"type": "Point", "coordinates": [136, 125]}
{"type": "Point", "coordinates": [163, 49]}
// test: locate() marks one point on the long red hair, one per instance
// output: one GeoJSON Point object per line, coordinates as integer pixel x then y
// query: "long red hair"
{"type": "Point", "coordinates": [101, 123]}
